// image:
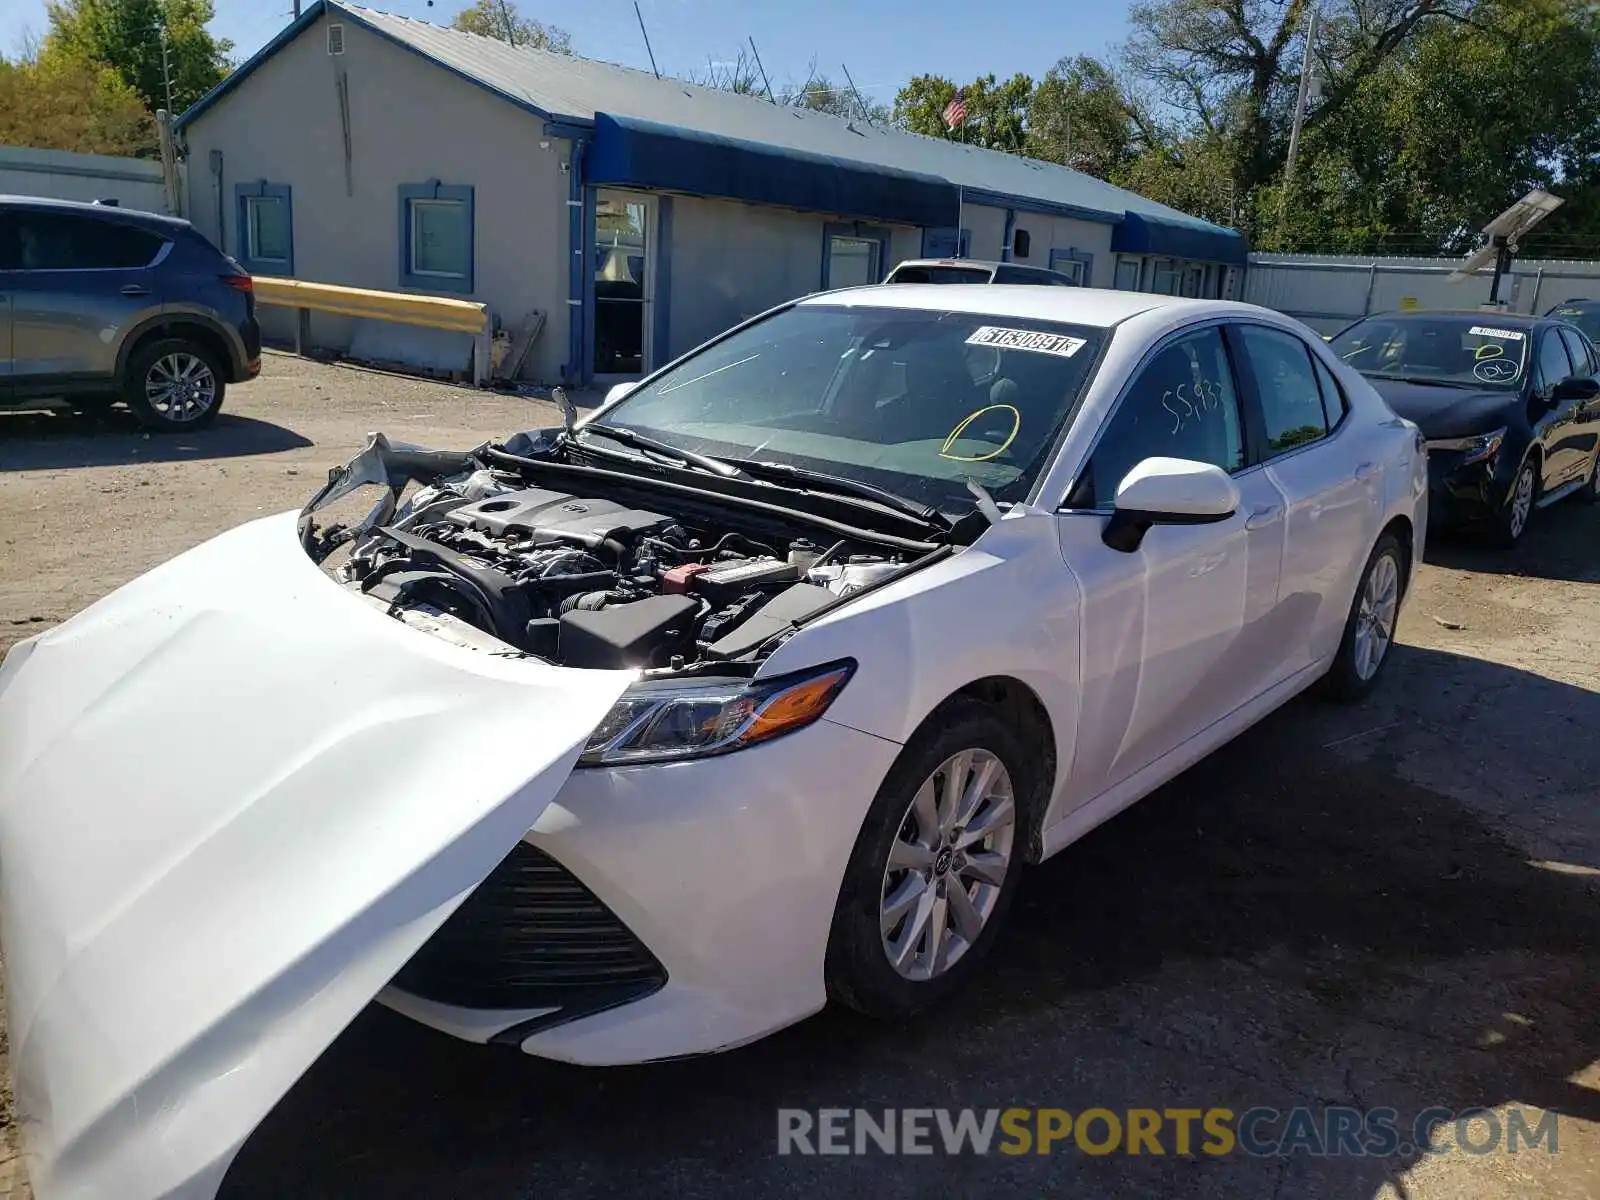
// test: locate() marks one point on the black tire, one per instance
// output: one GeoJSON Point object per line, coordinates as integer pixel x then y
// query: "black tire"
{"type": "Point", "coordinates": [158, 360]}
{"type": "Point", "coordinates": [858, 971]}
{"type": "Point", "coordinates": [1504, 530]}
{"type": "Point", "coordinates": [1345, 680]}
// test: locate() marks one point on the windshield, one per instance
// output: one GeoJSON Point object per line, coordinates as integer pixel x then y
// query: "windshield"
{"type": "Point", "coordinates": [1469, 350]}
{"type": "Point", "coordinates": [1585, 314]}
{"type": "Point", "coordinates": [940, 275]}
{"type": "Point", "coordinates": [915, 402]}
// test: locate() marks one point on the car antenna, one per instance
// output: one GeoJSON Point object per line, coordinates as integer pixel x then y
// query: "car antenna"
{"type": "Point", "coordinates": [569, 410]}
{"type": "Point", "coordinates": [986, 504]}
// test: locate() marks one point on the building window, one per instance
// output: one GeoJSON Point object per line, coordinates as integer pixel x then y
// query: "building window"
{"type": "Point", "coordinates": [946, 243]}
{"type": "Point", "coordinates": [1077, 265]}
{"type": "Point", "coordinates": [437, 237]}
{"type": "Point", "coordinates": [1128, 272]}
{"type": "Point", "coordinates": [266, 227]}
{"type": "Point", "coordinates": [853, 255]}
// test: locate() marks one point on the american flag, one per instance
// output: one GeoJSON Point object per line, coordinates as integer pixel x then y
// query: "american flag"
{"type": "Point", "coordinates": [955, 113]}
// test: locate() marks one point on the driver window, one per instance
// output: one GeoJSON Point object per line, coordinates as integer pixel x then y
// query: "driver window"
{"type": "Point", "coordinates": [1182, 404]}
{"type": "Point", "coordinates": [1553, 363]}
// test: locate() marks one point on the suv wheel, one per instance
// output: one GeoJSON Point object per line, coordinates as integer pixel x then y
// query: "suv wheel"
{"type": "Point", "coordinates": [174, 384]}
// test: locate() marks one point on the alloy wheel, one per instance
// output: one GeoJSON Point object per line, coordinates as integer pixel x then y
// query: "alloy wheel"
{"type": "Point", "coordinates": [1521, 503]}
{"type": "Point", "coordinates": [947, 864]}
{"type": "Point", "coordinates": [180, 386]}
{"type": "Point", "coordinates": [1375, 618]}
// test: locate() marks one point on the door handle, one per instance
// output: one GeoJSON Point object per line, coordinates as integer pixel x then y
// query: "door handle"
{"type": "Point", "coordinates": [1264, 515]}
{"type": "Point", "coordinates": [1365, 470]}
{"type": "Point", "coordinates": [135, 289]}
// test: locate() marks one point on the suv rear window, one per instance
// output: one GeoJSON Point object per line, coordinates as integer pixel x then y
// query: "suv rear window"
{"type": "Point", "coordinates": [48, 241]}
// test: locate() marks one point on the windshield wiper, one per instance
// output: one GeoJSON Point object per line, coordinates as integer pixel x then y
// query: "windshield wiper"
{"type": "Point", "coordinates": [640, 441]}
{"type": "Point", "coordinates": [1420, 381]}
{"type": "Point", "coordinates": [840, 485]}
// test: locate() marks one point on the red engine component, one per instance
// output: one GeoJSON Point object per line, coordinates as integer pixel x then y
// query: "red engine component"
{"type": "Point", "coordinates": [677, 579]}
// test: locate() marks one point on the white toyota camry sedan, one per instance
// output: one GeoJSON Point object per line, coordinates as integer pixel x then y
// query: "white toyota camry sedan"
{"type": "Point", "coordinates": [645, 735]}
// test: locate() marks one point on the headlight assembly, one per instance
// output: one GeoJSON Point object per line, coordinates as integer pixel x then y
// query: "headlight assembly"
{"type": "Point", "coordinates": [1473, 449]}
{"type": "Point", "coordinates": [670, 721]}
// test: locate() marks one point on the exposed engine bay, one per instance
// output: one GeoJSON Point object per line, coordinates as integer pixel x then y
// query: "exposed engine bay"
{"type": "Point", "coordinates": [587, 581]}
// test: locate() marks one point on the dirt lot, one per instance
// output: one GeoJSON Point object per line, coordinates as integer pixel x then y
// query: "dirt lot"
{"type": "Point", "coordinates": [1387, 905]}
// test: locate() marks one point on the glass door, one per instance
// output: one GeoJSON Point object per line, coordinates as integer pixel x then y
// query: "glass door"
{"type": "Point", "coordinates": [623, 281]}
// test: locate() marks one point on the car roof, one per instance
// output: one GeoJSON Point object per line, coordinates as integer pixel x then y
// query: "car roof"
{"type": "Point", "coordinates": [137, 216]}
{"type": "Point", "coordinates": [1097, 307]}
{"type": "Point", "coordinates": [1484, 315]}
{"type": "Point", "coordinates": [987, 263]}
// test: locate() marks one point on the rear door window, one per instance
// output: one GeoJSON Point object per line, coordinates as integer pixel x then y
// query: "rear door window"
{"type": "Point", "coordinates": [1292, 404]}
{"type": "Point", "coordinates": [48, 241]}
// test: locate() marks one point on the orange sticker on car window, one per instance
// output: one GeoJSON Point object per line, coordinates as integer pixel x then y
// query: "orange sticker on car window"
{"type": "Point", "coordinates": [955, 434]}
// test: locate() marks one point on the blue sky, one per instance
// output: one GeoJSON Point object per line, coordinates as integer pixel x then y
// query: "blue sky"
{"type": "Point", "coordinates": [883, 43]}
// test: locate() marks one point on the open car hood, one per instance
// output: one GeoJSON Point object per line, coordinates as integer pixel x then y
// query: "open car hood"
{"type": "Point", "coordinates": [234, 800]}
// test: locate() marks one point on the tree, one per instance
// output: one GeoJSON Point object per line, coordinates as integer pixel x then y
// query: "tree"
{"type": "Point", "coordinates": [72, 106]}
{"type": "Point", "coordinates": [821, 94]}
{"type": "Point", "coordinates": [500, 19]}
{"type": "Point", "coordinates": [1080, 115]}
{"type": "Point", "coordinates": [126, 35]}
{"type": "Point", "coordinates": [997, 113]}
{"type": "Point", "coordinates": [1230, 68]}
{"type": "Point", "coordinates": [741, 75]}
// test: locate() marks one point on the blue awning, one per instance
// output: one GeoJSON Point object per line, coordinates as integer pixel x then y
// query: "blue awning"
{"type": "Point", "coordinates": [1143, 233]}
{"type": "Point", "coordinates": [628, 151]}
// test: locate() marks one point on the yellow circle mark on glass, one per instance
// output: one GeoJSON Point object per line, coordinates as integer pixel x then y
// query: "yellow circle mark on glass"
{"type": "Point", "coordinates": [1488, 350]}
{"type": "Point", "coordinates": [955, 435]}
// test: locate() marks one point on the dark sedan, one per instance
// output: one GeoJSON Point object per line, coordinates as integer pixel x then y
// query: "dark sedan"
{"type": "Point", "coordinates": [1509, 405]}
{"type": "Point", "coordinates": [1583, 313]}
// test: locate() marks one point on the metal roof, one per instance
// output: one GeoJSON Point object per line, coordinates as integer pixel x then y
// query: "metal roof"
{"type": "Point", "coordinates": [571, 90]}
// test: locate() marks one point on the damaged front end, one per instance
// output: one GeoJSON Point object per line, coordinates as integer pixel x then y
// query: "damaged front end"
{"type": "Point", "coordinates": [529, 548]}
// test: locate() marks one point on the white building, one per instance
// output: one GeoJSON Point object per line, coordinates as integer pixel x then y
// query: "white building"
{"type": "Point", "coordinates": [642, 215]}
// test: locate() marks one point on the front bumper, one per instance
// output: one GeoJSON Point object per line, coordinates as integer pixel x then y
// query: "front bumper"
{"type": "Point", "coordinates": [1467, 493]}
{"type": "Point", "coordinates": [725, 870]}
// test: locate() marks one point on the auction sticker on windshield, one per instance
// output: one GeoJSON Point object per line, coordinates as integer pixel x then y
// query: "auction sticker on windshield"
{"type": "Point", "coordinates": [1058, 344]}
{"type": "Point", "coordinates": [1486, 331]}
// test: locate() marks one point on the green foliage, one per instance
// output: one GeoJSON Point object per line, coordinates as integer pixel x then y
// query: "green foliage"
{"type": "Point", "coordinates": [73, 105]}
{"type": "Point", "coordinates": [126, 36]}
{"type": "Point", "coordinates": [500, 19]}
{"type": "Point", "coordinates": [997, 113]}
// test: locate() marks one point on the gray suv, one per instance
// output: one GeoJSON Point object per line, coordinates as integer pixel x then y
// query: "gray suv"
{"type": "Point", "coordinates": [100, 303]}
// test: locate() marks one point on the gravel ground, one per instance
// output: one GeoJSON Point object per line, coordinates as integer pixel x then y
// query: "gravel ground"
{"type": "Point", "coordinates": [1385, 905]}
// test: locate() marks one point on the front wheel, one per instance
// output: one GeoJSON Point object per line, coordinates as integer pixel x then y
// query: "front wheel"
{"type": "Point", "coordinates": [174, 385]}
{"type": "Point", "coordinates": [1369, 629]}
{"type": "Point", "coordinates": [934, 867]}
{"type": "Point", "coordinates": [1512, 521]}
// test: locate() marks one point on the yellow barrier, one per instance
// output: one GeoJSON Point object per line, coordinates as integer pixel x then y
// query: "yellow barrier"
{"type": "Point", "coordinates": [405, 308]}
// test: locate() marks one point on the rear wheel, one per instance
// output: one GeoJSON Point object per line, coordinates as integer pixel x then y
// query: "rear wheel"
{"type": "Point", "coordinates": [1369, 629]}
{"type": "Point", "coordinates": [174, 384]}
{"type": "Point", "coordinates": [934, 867]}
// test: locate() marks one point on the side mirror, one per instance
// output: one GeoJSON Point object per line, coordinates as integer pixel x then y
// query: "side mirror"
{"type": "Point", "coordinates": [619, 391]}
{"type": "Point", "coordinates": [1168, 491]}
{"type": "Point", "coordinates": [1576, 387]}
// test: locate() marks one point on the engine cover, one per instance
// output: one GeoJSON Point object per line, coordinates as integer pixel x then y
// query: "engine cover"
{"type": "Point", "coordinates": [547, 514]}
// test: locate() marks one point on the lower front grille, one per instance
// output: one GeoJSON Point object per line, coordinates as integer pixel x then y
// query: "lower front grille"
{"type": "Point", "coordinates": [532, 936]}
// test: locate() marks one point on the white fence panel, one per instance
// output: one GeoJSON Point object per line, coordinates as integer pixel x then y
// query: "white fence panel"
{"type": "Point", "coordinates": [1328, 292]}
{"type": "Point", "coordinates": [60, 175]}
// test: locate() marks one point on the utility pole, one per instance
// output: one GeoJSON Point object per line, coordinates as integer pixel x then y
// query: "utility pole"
{"type": "Point", "coordinates": [511, 30]}
{"type": "Point", "coordinates": [1307, 67]}
{"type": "Point", "coordinates": [166, 65]}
